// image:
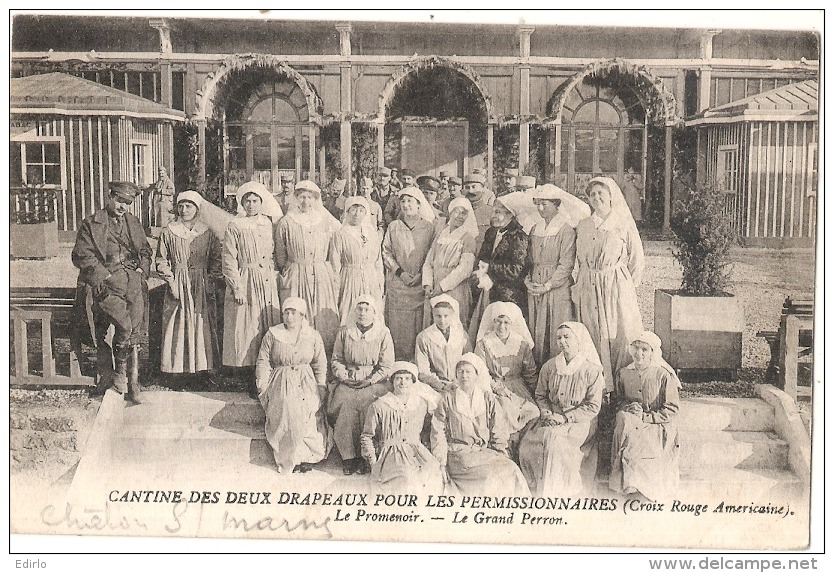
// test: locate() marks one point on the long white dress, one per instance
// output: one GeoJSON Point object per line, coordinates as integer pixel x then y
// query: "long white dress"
{"type": "Point", "coordinates": [289, 373]}
{"type": "Point", "coordinates": [249, 270]}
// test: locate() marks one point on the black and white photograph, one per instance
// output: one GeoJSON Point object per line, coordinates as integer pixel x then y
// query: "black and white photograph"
{"type": "Point", "coordinates": [501, 278]}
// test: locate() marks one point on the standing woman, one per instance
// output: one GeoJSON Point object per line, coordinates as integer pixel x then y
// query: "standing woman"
{"type": "Point", "coordinates": [551, 257]}
{"type": "Point", "coordinates": [188, 259]}
{"type": "Point", "coordinates": [362, 359]}
{"type": "Point", "coordinates": [452, 257]}
{"type": "Point", "coordinates": [645, 449]}
{"type": "Point", "coordinates": [506, 347]}
{"type": "Point", "coordinates": [557, 455]}
{"type": "Point", "coordinates": [251, 305]}
{"type": "Point", "coordinates": [407, 242]}
{"type": "Point", "coordinates": [356, 257]}
{"type": "Point", "coordinates": [302, 239]}
{"type": "Point", "coordinates": [291, 377]}
{"type": "Point", "coordinates": [610, 256]}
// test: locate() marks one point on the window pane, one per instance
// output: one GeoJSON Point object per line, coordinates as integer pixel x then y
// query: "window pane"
{"type": "Point", "coordinates": [52, 152]}
{"type": "Point", "coordinates": [34, 153]}
{"type": "Point", "coordinates": [586, 114]}
{"type": "Point", "coordinates": [565, 151]}
{"type": "Point", "coordinates": [34, 174]}
{"type": "Point", "coordinates": [53, 174]}
{"type": "Point", "coordinates": [607, 114]}
{"type": "Point", "coordinates": [284, 112]}
{"type": "Point", "coordinates": [584, 158]}
{"type": "Point", "coordinates": [633, 150]}
{"type": "Point", "coordinates": [262, 111]}
{"type": "Point", "coordinates": [286, 147]}
{"type": "Point", "coordinates": [608, 150]}
{"type": "Point", "coordinates": [15, 158]}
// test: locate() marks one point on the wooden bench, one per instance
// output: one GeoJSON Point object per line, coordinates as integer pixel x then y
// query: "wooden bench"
{"type": "Point", "coordinates": [793, 340]}
{"type": "Point", "coordinates": [53, 309]}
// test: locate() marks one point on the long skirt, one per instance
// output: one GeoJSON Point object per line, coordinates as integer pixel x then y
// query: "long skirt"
{"type": "Point", "coordinates": [346, 409]}
{"type": "Point", "coordinates": [476, 470]}
{"type": "Point", "coordinates": [547, 312]}
{"type": "Point", "coordinates": [644, 458]}
{"type": "Point", "coordinates": [404, 467]}
{"type": "Point", "coordinates": [517, 404]}
{"type": "Point", "coordinates": [295, 424]}
{"type": "Point", "coordinates": [559, 460]}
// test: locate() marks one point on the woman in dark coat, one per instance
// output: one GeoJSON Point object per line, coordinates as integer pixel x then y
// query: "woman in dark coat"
{"type": "Point", "coordinates": [502, 260]}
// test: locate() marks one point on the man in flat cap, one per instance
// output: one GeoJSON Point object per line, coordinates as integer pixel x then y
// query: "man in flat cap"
{"type": "Point", "coordinates": [114, 259]}
{"type": "Point", "coordinates": [162, 200]}
{"type": "Point", "coordinates": [430, 186]}
{"type": "Point", "coordinates": [507, 181]}
{"type": "Point", "coordinates": [525, 183]}
{"type": "Point", "coordinates": [287, 188]}
{"type": "Point", "coordinates": [454, 189]}
{"type": "Point", "coordinates": [474, 190]}
{"type": "Point", "coordinates": [333, 198]}
{"type": "Point", "coordinates": [407, 176]}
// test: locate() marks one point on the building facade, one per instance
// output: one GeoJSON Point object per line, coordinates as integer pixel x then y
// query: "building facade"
{"type": "Point", "coordinates": [324, 99]}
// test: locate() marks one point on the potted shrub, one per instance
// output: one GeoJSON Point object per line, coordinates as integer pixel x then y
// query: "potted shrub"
{"type": "Point", "coordinates": [701, 325]}
{"type": "Point", "coordinates": [33, 228]}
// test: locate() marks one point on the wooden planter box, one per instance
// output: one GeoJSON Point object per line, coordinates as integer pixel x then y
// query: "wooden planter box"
{"type": "Point", "coordinates": [699, 333]}
{"type": "Point", "coordinates": [34, 240]}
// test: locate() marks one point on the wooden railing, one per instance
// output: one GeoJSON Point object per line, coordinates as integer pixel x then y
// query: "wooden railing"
{"type": "Point", "coordinates": [52, 309]}
{"type": "Point", "coordinates": [793, 340]}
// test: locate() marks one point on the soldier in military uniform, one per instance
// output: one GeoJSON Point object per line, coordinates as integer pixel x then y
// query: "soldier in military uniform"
{"type": "Point", "coordinates": [114, 259]}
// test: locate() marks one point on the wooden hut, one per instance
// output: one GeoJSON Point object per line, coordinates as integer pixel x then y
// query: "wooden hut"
{"type": "Point", "coordinates": [75, 135]}
{"type": "Point", "coordinates": [762, 151]}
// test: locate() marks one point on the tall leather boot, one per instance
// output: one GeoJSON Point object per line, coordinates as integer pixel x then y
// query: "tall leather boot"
{"type": "Point", "coordinates": [120, 374]}
{"type": "Point", "coordinates": [134, 390]}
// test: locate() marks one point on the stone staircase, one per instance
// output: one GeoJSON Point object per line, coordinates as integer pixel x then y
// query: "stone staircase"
{"type": "Point", "coordinates": [729, 450]}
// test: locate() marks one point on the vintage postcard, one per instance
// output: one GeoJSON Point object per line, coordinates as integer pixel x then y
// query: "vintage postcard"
{"type": "Point", "coordinates": [451, 278]}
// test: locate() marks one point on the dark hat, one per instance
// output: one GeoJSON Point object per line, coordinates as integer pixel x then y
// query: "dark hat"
{"type": "Point", "coordinates": [525, 182]}
{"type": "Point", "coordinates": [428, 183]}
{"type": "Point", "coordinates": [474, 178]}
{"type": "Point", "coordinates": [407, 173]}
{"type": "Point", "coordinates": [445, 174]}
{"type": "Point", "coordinates": [455, 180]}
{"type": "Point", "coordinates": [510, 173]}
{"type": "Point", "coordinates": [383, 171]}
{"type": "Point", "coordinates": [124, 190]}
{"type": "Point", "coordinates": [287, 176]}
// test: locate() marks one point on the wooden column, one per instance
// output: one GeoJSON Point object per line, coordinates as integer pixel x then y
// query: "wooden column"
{"type": "Point", "coordinates": [667, 180]}
{"type": "Point", "coordinates": [201, 144]}
{"type": "Point", "coordinates": [490, 153]}
{"type": "Point", "coordinates": [163, 27]}
{"type": "Point", "coordinates": [380, 144]}
{"type": "Point", "coordinates": [322, 168]}
{"type": "Point", "coordinates": [345, 106]}
{"type": "Point", "coordinates": [524, 33]}
{"type": "Point", "coordinates": [523, 145]}
{"type": "Point", "coordinates": [346, 153]}
{"type": "Point", "coordinates": [312, 141]}
{"type": "Point", "coordinates": [705, 76]}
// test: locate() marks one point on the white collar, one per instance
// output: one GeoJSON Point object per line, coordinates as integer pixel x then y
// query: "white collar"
{"type": "Point", "coordinates": [393, 401]}
{"type": "Point", "coordinates": [179, 229]}
{"type": "Point", "coordinates": [280, 332]}
{"type": "Point", "coordinates": [245, 222]}
{"type": "Point", "coordinates": [457, 336]}
{"type": "Point", "coordinates": [470, 408]}
{"type": "Point", "coordinates": [501, 349]}
{"type": "Point", "coordinates": [371, 334]}
{"type": "Point", "coordinates": [551, 229]}
{"type": "Point", "coordinates": [566, 369]}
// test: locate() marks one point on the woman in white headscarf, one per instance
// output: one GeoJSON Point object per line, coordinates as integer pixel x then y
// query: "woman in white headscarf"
{"type": "Point", "coordinates": [506, 346]}
{"type": "Point", "coordinates": [291, 378]}
{"type": "Point", "coordinates": [438, 347]}
{"type": "Point", "coordinates": [362, 360]}
{"type": "Point", "coordinates": [302, 239]}
{"type": "Point", "coordinates": [452, 257]}
{"type": "Point", "coordinates": [407, 242]}
{"type": "Point", "coordinates": [558, 454]}
{"type": "Point", "coordinates": [252, 303]}
{"type": "Point", "coordinates": [645, 449]}
{"type": "Point", "coordinates": [469, 436]}
{"type": "Point", "coordinates": [551, 257]}
{"type": "Point", "coordinates": [356, 257]}
{"type": "Point", "coordinates": [391, 444]}
{"type": "Point", "coordinates": [188, 259]}
{"type": "Point", "coordinates": [610, 256]}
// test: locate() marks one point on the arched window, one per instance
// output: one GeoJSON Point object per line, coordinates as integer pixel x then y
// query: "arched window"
{"type": "Point", "coordinates": [267, 134]}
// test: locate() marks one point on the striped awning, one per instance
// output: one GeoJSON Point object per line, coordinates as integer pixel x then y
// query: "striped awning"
{"type": "Point", "coordinates": [64, 94]}
{"type": "Point", "coordinates": [792, 102]}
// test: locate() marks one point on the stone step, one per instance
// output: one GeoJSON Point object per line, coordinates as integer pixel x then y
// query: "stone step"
{"type": "Point", "coordinates": [733, 414]}
{"type": "Point", "coordinates": [49, 418]}
{"type": "Point", "coordinates": [219, 409]}
{"type": "Point", "coordinates": [737, 485]}
{"type": "Point", "coordinates": [714, 449]}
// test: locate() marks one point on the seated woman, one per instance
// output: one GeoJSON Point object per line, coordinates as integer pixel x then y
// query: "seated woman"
{"type": "Point", "coordinates": [645, 450]}
{"type": "Point", "coordinates": [399, 461]}
{"type": "Point", "coordinates": [505, 345]}
{"type": "Point", "coordinates": [188, 258]}
{"type": "Point", "coordinates": [557, 455]}
{"type": "Point", "coordinates": [469, 436]}
{"type": "Point", "coordinates": [439, 346]}
{"type": "Point", "coordinates": [291, 377]}
{"type": "Point", "coordinates": [362, 358]}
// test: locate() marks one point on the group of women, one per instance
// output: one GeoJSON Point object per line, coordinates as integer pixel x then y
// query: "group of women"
{"type": "Point", "coordinates": [485, 370]}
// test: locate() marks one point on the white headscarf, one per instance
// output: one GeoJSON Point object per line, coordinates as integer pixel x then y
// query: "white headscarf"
{"type": "Point", "coordinates": [457, 334]}
{"type": "Point", "coordinates": [316, 214]}
{"type": "Point", "coordinates": [269, 206]}
{"type": "Point", "coordinates": [620, 216]}
{"type": "Point", "coordinates": [178, 227]}
{"type": "Point", "coordinates": [571, 210]}
{"type": "Point", "coordinates": [470, 226]}
{"type": "Point", "coordinates": [653, 340]}
{"type": "Point", "coordinates": [426, 212]}
{"type": "Point", "coordinates": [587, 350]}
{"type": "Point", "coordinates": [366, 230]}
{"type": "Point", "coordinates": [521, 205]}
{"type": "Point", "coordinates": [477, 405]}
{"type": "Point", "coordinates": [518, 328]}
{"type": "Point", "coordinates": [403, 366]}
{"type": "Point", "coordinates": [379, 318]}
